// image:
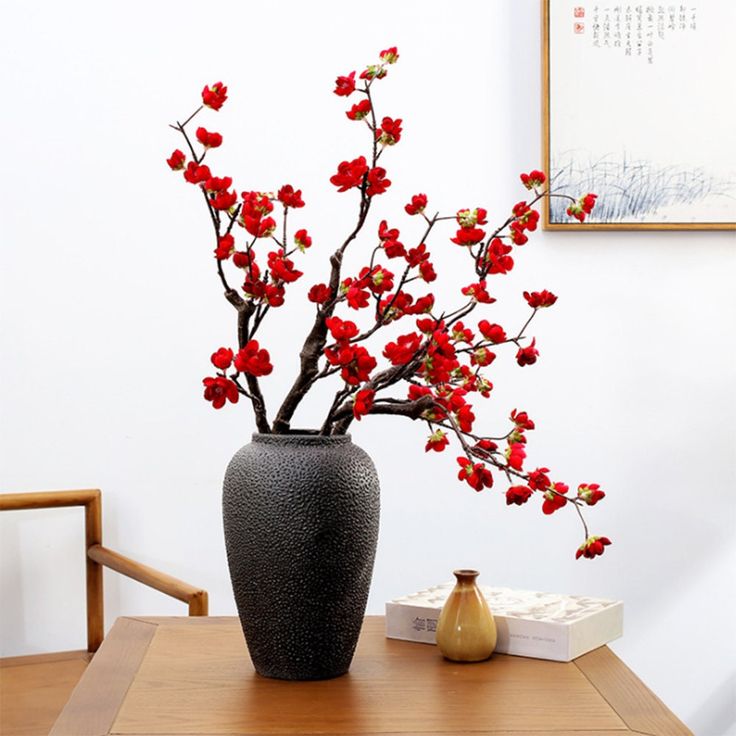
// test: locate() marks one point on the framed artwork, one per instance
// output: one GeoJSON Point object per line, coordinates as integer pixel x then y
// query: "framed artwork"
{"type": "Point", "coordinates": [639, 107]}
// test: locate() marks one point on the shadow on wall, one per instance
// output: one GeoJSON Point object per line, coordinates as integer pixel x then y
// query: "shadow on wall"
{"type": "Point", "coordinates": [717, 715]}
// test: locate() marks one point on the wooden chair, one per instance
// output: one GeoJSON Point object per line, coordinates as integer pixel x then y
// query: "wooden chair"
{"type": "Point", "coordinates": [34, 689]}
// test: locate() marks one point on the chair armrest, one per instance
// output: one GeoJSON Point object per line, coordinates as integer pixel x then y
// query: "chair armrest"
{"type": "Point", "coordinates": [196, 598]}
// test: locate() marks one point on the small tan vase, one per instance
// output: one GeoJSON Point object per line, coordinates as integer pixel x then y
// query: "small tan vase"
{"type": "Point", "coordinates": [466, 631]}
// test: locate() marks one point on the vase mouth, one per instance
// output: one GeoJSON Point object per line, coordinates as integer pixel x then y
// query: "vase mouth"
{"type": "Point", "coordinates": [465, 575]}
{"type": "Point", "coordinates": [301, 437]}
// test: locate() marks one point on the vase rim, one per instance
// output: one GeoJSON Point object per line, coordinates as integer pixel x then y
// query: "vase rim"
{"type": "Point", "coordinates": [465, 574]}
{"type": "Point", "coordinates": [301, 437]}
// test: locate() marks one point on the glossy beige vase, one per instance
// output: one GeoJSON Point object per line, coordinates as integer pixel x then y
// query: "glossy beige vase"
{"type": "Point", "coordinates": [466, 631]}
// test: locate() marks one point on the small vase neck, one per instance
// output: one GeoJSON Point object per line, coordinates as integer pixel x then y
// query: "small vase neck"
{"type": "Point", "coordinates": [466, 577]}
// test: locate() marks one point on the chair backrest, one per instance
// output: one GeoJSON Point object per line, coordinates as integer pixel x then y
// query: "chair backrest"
{"type": "Point", "coordinates": [91, 499]}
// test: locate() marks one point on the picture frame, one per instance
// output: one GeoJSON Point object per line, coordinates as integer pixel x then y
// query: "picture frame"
{"type": "Point", "coordinates": [634, 110]}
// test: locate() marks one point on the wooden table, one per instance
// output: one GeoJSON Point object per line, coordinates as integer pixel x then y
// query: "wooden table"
{"type": "Point", "coordinates": [179, 676]}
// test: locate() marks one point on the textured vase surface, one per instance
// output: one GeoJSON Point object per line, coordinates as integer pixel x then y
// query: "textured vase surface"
{"type": "Point", "coordinates": [466, 631]}
{"type": "Point", "coordinates": [301, 513]}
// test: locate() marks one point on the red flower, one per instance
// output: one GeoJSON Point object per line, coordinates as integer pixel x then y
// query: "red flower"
{"type": "Point", "coordinates": [290, 197]}
{"type": "Point", "coordinates": [437, 441]}
{"type": "Point", "coordinates": [517, 234]}
{"type": "Point", "coordinates": [479, 293]}
{"type": "Point", "coordinates": [527, 355]}
{"type": "Point", "coordinates": [417, 205]}
{"type": "Point", "coordinates": [220, 390]}
{"type": "Point", "coordinates": [224, 200]}
{"type": "Point", "coordinates": [461, 333]}
{"type": "Point", "coordinates": [387, 233]}
{"type": "Point", "coordinates": [196, 174]}
{"type": "Point", "coordinates": [404, 349]}
{"type": "Point", "coordinates": [476, 475]}
{"type": "Point", "coordinates": [468, 236]}
{"type": "Point", "coordinates": [350, 174]}
{"type": "Point", "coordinates": [518, 495]}
{"type": "Point", "coordinates": [225, 247]}
{"type": "Point", "coordinates": [341, 330]}
{"type": "Point", "coordinates": [515, 455]}
{"type": "Point", "coordinates": [215, 184]}
{"type": "Point", "coordinates": [282, 268]}
{"type": "Point", "coordinates": [493, 332]}
{"type": "Point", "coordinates": [222, 359]}
{"type": "Point", "coordinates": [177, 160]}
{"type": "Point", "coordinates": [214, 96]}
{"type": "Point", "coordinates": [497, 256]}
{"type": "Point", "coordinates": [378, 279]}
{"type": "Point", "coordinates": [260, 228]}
{"type": "Point", "coordinates": [591, 547]}
{"type": "Point", "coordinates": [253, 359]}
{"type": "Point", "coordinates": [377, 181]}
{"type": "Point", "coordinates": [207, 139]}
{"type": "Point", "coordinates": [363, 402]}
{"type": "Point", "coordinates": [389, 131]}
{"type": "Point", "coordinates": [417, 255]}
{"type": "Point", "coordinates": [464, 417]}
{"type": "Point", "coordinates": [320, 294]}
{"type": "Point", "coordinates": [539, 480]}
{"type": "Point", "coordinates": [553, 499]}
{"type": "Point", "coordinates": [590, 493]}
{"type": "Point", "coordinates": [482, 357]}
{"type": "Point", "coordinates": [345, 86]}
{"type": "Point", "coordinates": [468, 219]}
{"type": "Point", "coordinates": [533, 179]}
{"type": "Point", "coordinates": [302, 240]}
{"type": "Point", "coordinates": [521, 420]}
{"type": "Point", "coordinates": [357, 297]}
{"type": "Point", "coordinates": [274, 294]}
{"type": "Point", "coordinates": [582, 207]}
{"type": "Point", "coordinates": [539, 299]}
{"type": "Point", "coordinates": [359, 111]}
{"type": "Point", "coordinates": [358, 370]}
{"type": "Point", "coordinates": [389, 56]}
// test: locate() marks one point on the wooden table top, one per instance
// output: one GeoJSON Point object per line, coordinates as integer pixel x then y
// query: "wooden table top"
{"type": "Point", "coordinates": [177, 676]}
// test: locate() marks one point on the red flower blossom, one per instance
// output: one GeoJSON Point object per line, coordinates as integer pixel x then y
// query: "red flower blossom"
{"type": "Point", "coordinates": [224, 200]}
{"type": "Point", "coordinates": [389, 56]}
{"type": "Point", "coordinates": [417, 205]}
{"type": "Point", "coordinates": [350, 174]}
{"type": "Point", "coordinates": [515, 455]}
{"type": "Point", "coordinates": [479, 293]}
{"type": "Point", "coordinates": [468, 236]}
{"type": "Point", "coordinates": [493, 332]}
{"type": "Point", "coordinates": [533, 179]}
{"type": "Point", "coordinates": [527, 355]}
{"type": "Point", "coordinates": [359, 111]}
{"type": "Point", "coordinates": [320, 294]}
{"type": "Point", "coordinates": [387, 233]}
{"type": "Point", "coordinates": [417, 255]}
{"type": "Point", "coordinates": [302, 240]}
{"type": "Point", "coordinates": [591, 547]}
{"type": "Point", "coordinates": [225, 247]}
{"type": "Point", "coordinates": [282, 268]}
{"type": "Point", "coordinates": [216, 184]}
{"type": "Point", "coordinates": [377, 181]}
{"type": "Point", "coordinates": [404, 349]}
{"type": "Point", "coordinates": [214, 96]}
{"type": "Point", "coordinates": [222, 359]}
{"type": "Point", "coordinates": [427, 272]}
{"type": "Point", "coordinates": [540, 299]}
{"type": "Point", "coordinates": [356, 295]}
{"type": "Point", "coordinates": [590, 493]}
{"type": "Point", "coordinates": [553, 499]}
{"type": "Point", "coordinates": [582, 207]}
{"type": "Point", "coordinates": [363, 402]}
{"type": "Point", "coordinates": [461, 333]}
{"type": "Point", "coordinates": [389, 131]}
{"type": "Point", "coordinates": [437, 441]}
{"type": "Point", "coordinates": [468, 219]}
{"type": "Point", "coordinates": [196, 174]}
{"type": "Point", "coordinates": [498, 258]}
{"type": "Point", "coordinates": [518, 495]}
{"type": "Point", "coordinates": [464, 417]}
{"type": "Point", "coordinates": [207, 139]}
{"type": "Point", "coordinates": [521, 420]}
{"type": "Point", "coordinates": [219, 390]}
{"type": "Point", "coordinates": [253, 359]}
{"type": "Point", "coordinates": [482, 357]}
{"type": "Point", "coordinates": [539, 480]}
{"type": "Point", "coordinates": [345, 86]}
{"type": "Point", "coordinates": [177, 160]}
{"type": "Point", "coordinates": [358, 370]}
{"type": "Point", "coordinates": [476, 475]}
{"type": "Point", "coordinates": [290, 197]}
{"type": "Point", "coordinates": [260, 228]}
{"type": "Point", "coordinates": [341, 330]}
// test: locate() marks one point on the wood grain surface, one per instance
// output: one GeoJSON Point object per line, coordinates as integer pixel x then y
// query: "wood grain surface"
{"type": "Point", "coordinates": [193, 676]}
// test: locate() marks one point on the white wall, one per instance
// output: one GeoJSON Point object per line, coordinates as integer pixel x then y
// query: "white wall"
{"type": "Point", "coordinates": [111, 308]}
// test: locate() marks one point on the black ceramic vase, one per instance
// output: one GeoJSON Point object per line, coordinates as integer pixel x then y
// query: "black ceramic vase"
{"type": "Point", "coordinates": [301, 525]}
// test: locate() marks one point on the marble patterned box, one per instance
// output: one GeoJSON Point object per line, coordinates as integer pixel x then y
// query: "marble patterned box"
{"type": "Point", "coordinates": [530, 624]}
